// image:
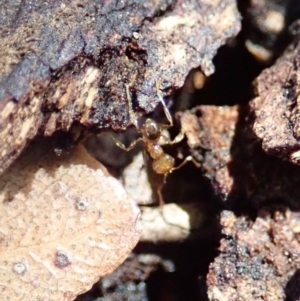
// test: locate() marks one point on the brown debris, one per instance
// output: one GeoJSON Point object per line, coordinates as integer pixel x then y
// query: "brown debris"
{"type": "Point", "coordinates": [258, 260]}
{"type": "Point", "coordinates": [238, 169]}
{"type": "Point", "coordinates": [191, 128]}
{"type": "Point", "coordinates": [128, 281]}
{"type": "Point", "coordinates": [64, 223]}
{"type": "Point", "coordinates": [275, 108]}
{"type": "Point", "coordinates": [66, 63]}
{"type": "Point", "coordinates": [214, 136]}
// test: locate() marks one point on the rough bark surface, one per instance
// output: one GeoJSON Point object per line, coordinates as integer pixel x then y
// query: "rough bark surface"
{"type": "Point", "coordinates": [258, 260]}
{"type": "Point", "coordinates": [66, 62]}
{"type": "Point", "coordinates": [276, 109]}
{"type": "Point", "coordinates": [231, 156]}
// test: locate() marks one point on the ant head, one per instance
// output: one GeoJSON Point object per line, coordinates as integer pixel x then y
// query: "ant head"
{"type": "Point", "coordinates": [152, 130]}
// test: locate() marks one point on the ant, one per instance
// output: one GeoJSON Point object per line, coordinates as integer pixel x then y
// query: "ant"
{"type": "Point", "coordinates": [151, 133]}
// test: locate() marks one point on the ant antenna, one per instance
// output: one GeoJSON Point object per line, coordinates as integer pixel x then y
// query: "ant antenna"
{"type": "Point", "coordinates": [161, 99]}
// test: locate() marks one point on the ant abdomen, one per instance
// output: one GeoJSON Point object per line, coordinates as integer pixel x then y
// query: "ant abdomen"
{"type": "Point", "coordinates": [164, 164]}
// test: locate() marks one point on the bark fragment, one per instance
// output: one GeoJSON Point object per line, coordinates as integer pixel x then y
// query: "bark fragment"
{"type": "Point", "coordinates": [66, 62]}
{"type": "Point", "coordinates": [276, 109]}
{"type": "Point", "coordinates": [241, 173]}
{"type": "Point", "coordinates": [257, 259]}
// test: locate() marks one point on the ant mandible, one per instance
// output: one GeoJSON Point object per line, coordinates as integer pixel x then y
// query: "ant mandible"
{"type": "Point", "coordinates": [151, 133]}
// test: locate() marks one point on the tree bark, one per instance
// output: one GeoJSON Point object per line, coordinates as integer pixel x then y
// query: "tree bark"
{"type": "Point", "coordinates": [66, 62]}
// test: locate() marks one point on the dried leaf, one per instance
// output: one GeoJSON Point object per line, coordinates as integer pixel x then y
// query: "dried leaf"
{"type": "Point", "coordinates": [64, 223]}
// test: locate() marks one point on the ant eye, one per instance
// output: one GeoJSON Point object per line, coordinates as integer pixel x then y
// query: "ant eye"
{"type": "Point", "coordinates": [152, 130]}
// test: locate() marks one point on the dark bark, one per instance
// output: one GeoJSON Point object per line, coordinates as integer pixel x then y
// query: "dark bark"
{"type": "Point", "coordinates": [258, 260]}
{"type": "Point", "coordinates": [67, 62]}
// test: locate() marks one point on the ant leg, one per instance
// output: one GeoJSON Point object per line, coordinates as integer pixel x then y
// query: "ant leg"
{"type": "Point", "coordinates": [161, 99]}
{"type": "Point", "coordinates": [132, 116]}
{"type": "Point", "coordinates": [186, 160]}
{"type": "Point", "coordinates": [122, 146]}
{"type": "Point", "coordinates": [159, 189]}
{"type": "Point", "coordinates": [161, 201]}
{"type": "Point", "coordinates": [177, 139]}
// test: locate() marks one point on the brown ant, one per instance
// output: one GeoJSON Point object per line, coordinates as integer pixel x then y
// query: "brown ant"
{"type": "Point", "coordinates": [151, 133]}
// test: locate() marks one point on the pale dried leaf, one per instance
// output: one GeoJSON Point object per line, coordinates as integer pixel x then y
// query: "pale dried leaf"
{"type": "Point", "coordinates": [64, 223]}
